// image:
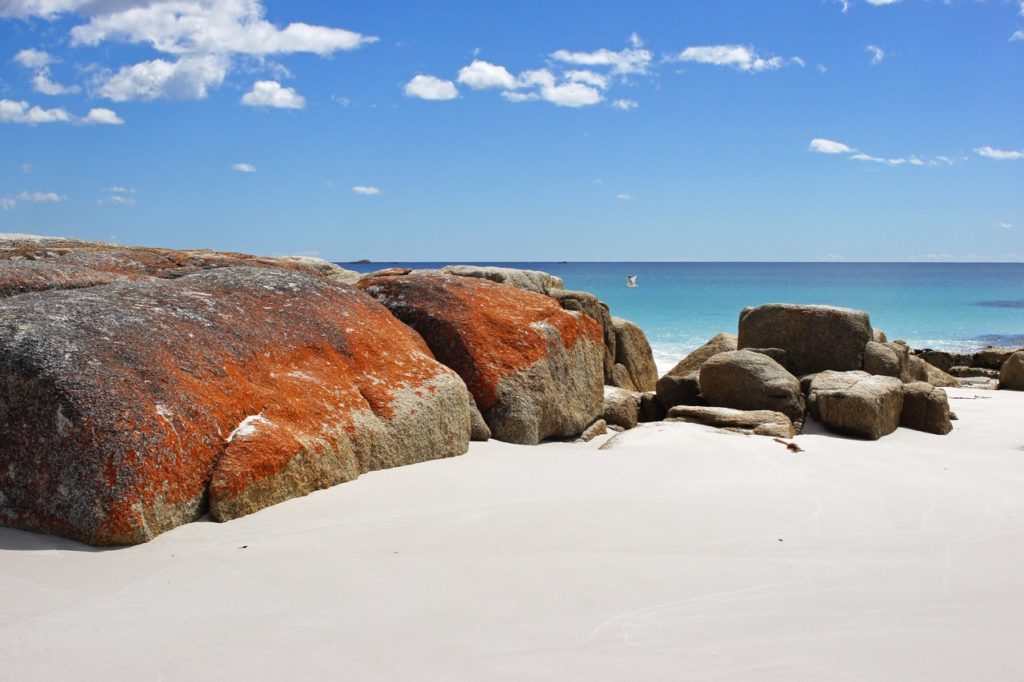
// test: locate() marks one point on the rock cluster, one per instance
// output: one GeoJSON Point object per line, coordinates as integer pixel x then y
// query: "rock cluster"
{"type": "Point", "coordinates": [145, 387]}
{"type": "Point", "coordinates": [819, 361]}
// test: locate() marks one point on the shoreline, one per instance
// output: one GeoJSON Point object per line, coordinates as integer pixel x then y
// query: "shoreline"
{"type": "Point", "coordinates": [676, 546]}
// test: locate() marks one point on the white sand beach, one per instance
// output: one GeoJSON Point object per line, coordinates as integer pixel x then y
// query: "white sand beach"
{"type": "Point", "coordinates": [677, 553]}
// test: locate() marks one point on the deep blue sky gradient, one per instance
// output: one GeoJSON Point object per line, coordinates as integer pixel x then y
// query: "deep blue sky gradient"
{"type": "Point", "coordinates": [717, 159]}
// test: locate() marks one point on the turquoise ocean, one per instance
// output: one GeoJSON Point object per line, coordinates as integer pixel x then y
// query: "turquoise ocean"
{"type": "Point", "coordinates": [945, 306]}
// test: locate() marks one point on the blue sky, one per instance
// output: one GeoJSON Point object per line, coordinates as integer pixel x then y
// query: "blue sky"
{"type": "Point", "coordinates": [716, 130]}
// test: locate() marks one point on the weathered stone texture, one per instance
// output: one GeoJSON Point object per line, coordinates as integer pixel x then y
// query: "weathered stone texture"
{"type": "Point", "coordinates": [1011, 375]}
{"type": "Point", "coordinates": [535, 370]}
{"type": "Point", "coordinates": [746, 380]}
{"type": "Point", "coordinates": [755, 422]}
{"type": "Point", "coordinates": [130, 408]}
{"type": "Point", "coordinates": [925, 408]}
{"type": "Point", "coordinates": [633, 351]}
{"type": "Point", "coordinates": [815, 337]}
{"type": "Point", "coordinates": [856, 403]}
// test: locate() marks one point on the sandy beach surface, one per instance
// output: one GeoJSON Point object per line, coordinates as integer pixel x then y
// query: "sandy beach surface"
{"type": "Point", "coordinates": [675, 553]}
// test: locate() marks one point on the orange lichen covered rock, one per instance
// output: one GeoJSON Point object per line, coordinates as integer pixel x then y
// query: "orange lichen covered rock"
{"type": "Point", "coordinates": [535, 370]}
{"type": "Point", "coordinates": [130, 408]}
{"type": "Point", "coordinates": [29, 263]}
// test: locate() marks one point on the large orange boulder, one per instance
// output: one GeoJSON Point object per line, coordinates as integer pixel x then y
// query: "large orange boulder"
{"type": "Point", "coordinates": [129, 408]}
{"type": "Point", "coordinates": [535, 370]}
{"type": "Point", "coordinates": [31, 263]}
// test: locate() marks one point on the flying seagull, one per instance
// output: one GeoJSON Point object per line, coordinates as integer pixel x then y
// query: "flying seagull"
{"type": "Point", "coordinates": [630, 280]}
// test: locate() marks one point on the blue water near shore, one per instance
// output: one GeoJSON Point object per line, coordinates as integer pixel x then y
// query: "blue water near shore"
{"type": "Point", "coordinates": [948, 306]}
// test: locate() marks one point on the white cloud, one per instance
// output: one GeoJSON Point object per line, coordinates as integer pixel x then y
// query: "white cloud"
{"type": "Point", "coordinates": [20, 112]}
{"type": "Point", "coordinates": [367, 191]}
{"type": "Point", "coordinates": [7, 203]}
{"type": "Point", "coordinates": [516, 97]}
{"type": "Point", "coordinates": [1019, 35]}
{"type": "Point", "coordinates": [823, 146]}
{"type": "Point", "coordinates": [431, 88]}
{"type": "Point", "coordinates": [187, 78]}
{"type": "Point", "coordinates": [1006, 226]}
{"type": "Point", "coordinates": [625, 197]}
{"type": "Point", "coordinates": [481, 75]}
{"type": "Point", "coordinates": [570, 95]}
{"type": "Point", "coordinates": [628, 61]}
{"type": "Point", "coordinates": [845, 4]}
{"type": "Point", "coordinates": [635, 40]}
{"type": "Point", "coordinates": [117, 189]}
{"type": "Point", "coordinates": [999, 154]}
{"type": "Point", "coordinates": [203, 35]}
{"type": "Point", "coordinates": [591, 78]}
{"type": "Point", "coordinates": [41, 197]}
{"type": "Point", "coordinates": [33, 59]}
{"type": "Point", "coordinates": [244, 167]}
{"type": "Point", "coordinates": [877, 54]}
{"type": "Point", "coordinates": [624, 104]}
{"type": "Point", "coordinates": [272, 94]}
{"type": "Point", "coordinates": [739, 57]}
{"type": "Point", "coordinates": [44, 9]}
{"type": "Point", "coordinates": [879, 3]}
{"type": "Point", "coordinates": [185, 27]}
{"type": "Point", "coordinates": [102, 116]}
{"type": "Point", "coordinates": [26, 168]}
{"type": "Point", "coordinates": [42, 83]}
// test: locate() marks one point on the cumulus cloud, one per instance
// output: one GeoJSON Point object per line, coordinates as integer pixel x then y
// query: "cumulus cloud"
{"type": "Point", "coordinates": [367, 191]}
{"type": "Point", "coordinates": [32, 58]}
{"type": "Point", "coordinates": [186, 78]}
{"type": "Point", "coordinates": [102, 116]}
{"type": "Point", "coordinates": [1019, 35]}
{"type": "Point", "coordinates": [481, 75]}
{"type": "Point", "coordinates": [877, 54]}
{"type": "Point", "coordinates": [244, 167]}
{"type": "Point", "coordinates": [431, 88]}
{"type": "Point", "coordinates": [591, 78]}
{"type": "Point", "coordinates": [999, 154]}
{"type": "Point", "coordinates": [516, 97]}
{"type": "Point", "coordinates": [42, 83]}
{"type": "Point", "coordinates": [824, 146]}
{"type": "Point", "coordinates": [273, 94]}
{"type": "Point", "coordinates": [562, 86]}
{"type": "Point", "coordinates": [202, 36]}
{"type": "Point", "coordinates": [631, 60]}
{"type": "Point", "coordinates": [211, 27]}
{"type": "Point", "coordinates": [571, 95]}
{"type": "Point", "coordinates": [12, 111]}
{"type": "Point", "coordinates": [44, 9]}
{"type": "Point", "coordinates": [739, 57]}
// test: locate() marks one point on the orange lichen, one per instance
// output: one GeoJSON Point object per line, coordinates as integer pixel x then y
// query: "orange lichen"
{"type": "Point", "coordinates": [483, 330]}
{"type": "Point", "coordinates": [158, 374]}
